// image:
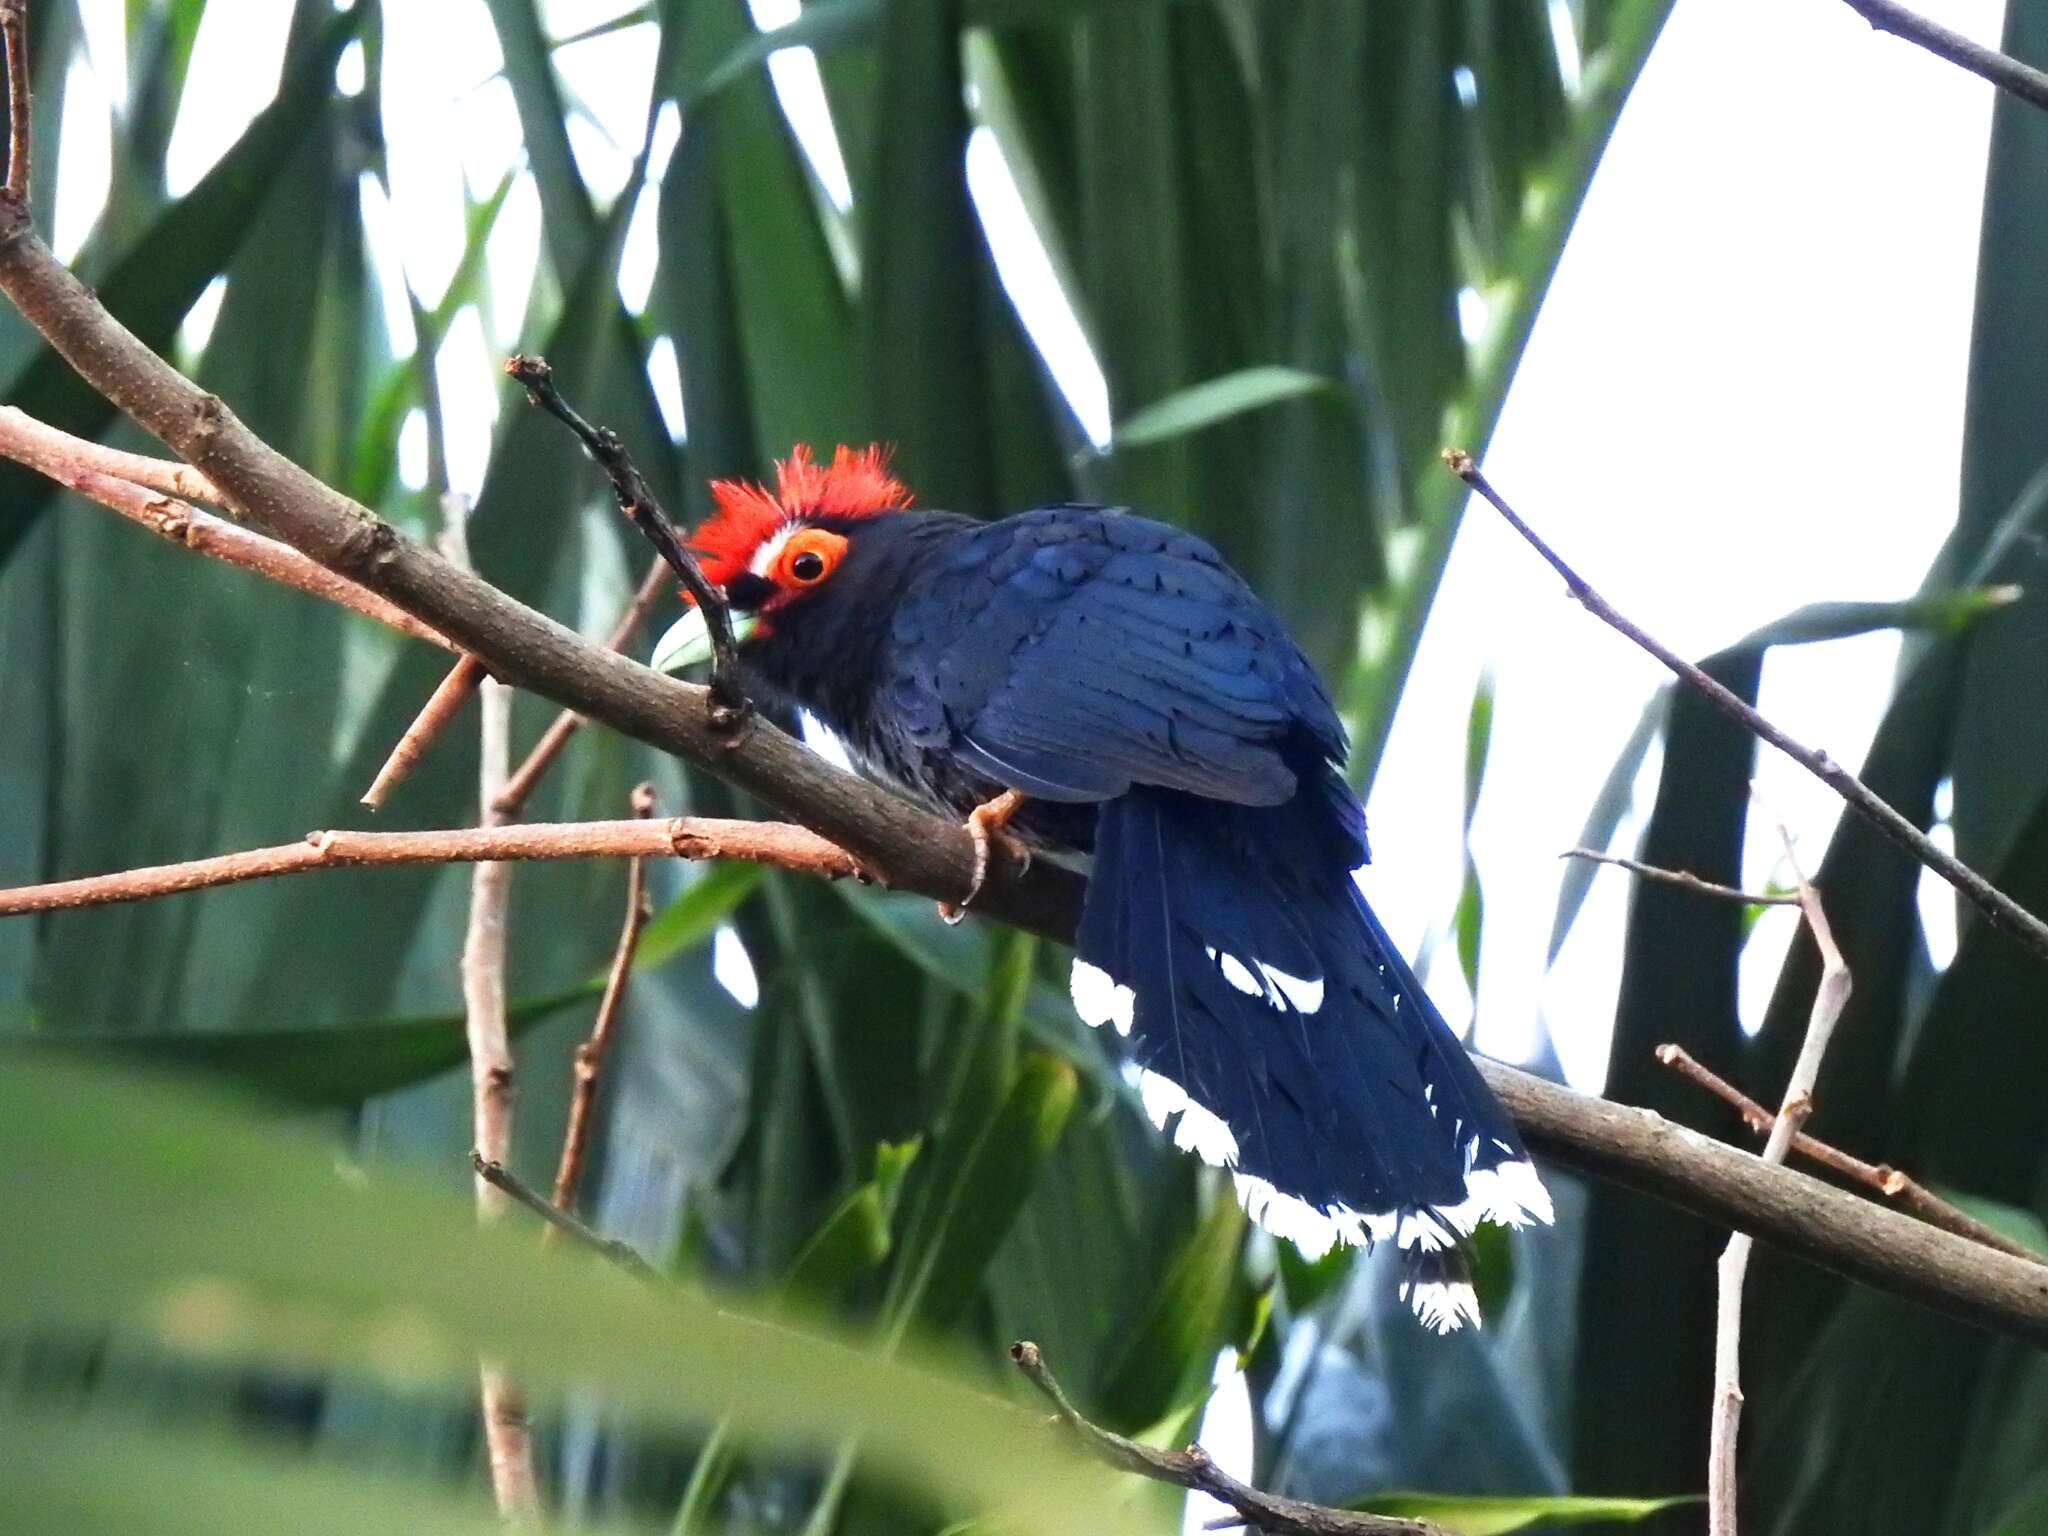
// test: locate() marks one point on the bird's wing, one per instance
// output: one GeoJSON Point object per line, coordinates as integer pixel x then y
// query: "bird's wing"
{"type": "Point", "coordinates": [1073, 652]}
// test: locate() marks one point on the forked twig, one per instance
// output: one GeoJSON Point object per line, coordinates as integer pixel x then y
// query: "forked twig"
{"type": "Point", "coordinates": [1192, 1469]}
{"type": "Point", "coordinates": [637, 501]}
{"type": "Point", "coordinates": [1998, 908]}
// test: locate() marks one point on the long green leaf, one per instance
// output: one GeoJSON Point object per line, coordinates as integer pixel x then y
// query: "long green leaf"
{"type": "Point", "coordinates": [1494, 1515]}
{"type": "Point", "coordinates": [1215, 400]}
{"type": "Point", "coordinates": [197, 1229]}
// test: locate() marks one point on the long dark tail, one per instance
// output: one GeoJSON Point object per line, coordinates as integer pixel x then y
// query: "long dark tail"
{"type": "Point", "coordinates": [1267, 1009]}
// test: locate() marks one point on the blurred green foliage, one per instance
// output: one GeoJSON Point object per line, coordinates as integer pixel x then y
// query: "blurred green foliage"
{"type": "Point", "coordinates": [1265, 215]}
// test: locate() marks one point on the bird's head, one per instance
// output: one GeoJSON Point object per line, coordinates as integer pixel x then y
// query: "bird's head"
{"type": "Point", "coordinates": [772, 552]}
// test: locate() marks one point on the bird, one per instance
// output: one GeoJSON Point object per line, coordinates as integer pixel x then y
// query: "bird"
{"type": "Point", "coordinates": [1084, 679]}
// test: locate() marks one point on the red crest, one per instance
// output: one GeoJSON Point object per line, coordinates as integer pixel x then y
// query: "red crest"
{"type": "Point", "coordinates": [855, 484]}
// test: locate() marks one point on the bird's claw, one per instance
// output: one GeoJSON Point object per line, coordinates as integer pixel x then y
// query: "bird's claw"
{"type": "Point", "coordinates": [985, 824]}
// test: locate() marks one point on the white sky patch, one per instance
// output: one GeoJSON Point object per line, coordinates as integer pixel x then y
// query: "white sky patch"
{"type": "Point", "coordinates": [641, 252]}
{"type": "Point", "coordinates": [85, 159]}
{"type": "Point", "coordinates": [412, 450]}
{"type": "Point", "coordinates": [800, 88]}
{"type": "Point", "coordinates": [106, 42]}
{"type": "Point", "coordinates": [665, 374]}
{"type": "Point", "coordinates": [1225, 1433]}
{"type": "Point", "coordinates": [512, 258]}
{"type": "Point", "coordinates": [1034, 288]}
{"type": "Point", "coordinates": [197, 329]}
{"type": "Point", "coordinates": [1727, 301]}
{"type": "Point", "coordinates": [734, 967]}
{"type": "Point", "coordinates": [351, 70]}
{"type": "Point", "coordinates": [1937, 900]}
{"type": "Point", "coordinates": [381, 237]}
{"type": "Point", "coordinates": [468, 416]}
{"type": "Point", "coordinates": [236, 60]}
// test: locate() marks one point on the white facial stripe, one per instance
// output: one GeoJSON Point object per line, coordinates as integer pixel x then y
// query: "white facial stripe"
{"type": "Point", "coordinates": [770, 550]}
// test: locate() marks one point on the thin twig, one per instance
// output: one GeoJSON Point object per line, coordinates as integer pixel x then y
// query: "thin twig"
{"type": "Point", "coordinates": [441, 708]}
{"type": "Point", "coordinates": [637, 501]}
{"type": "Point", "coordinates": [591, 1054]}
{"type": "Point", "coordinates": [780, 843]}
{"type": "Point", "coordinates": [1998, 908]}
{"type": "Point", "coordinates": [2002, 70]}
{"type": "Point", "coordinates": [565, 1222]}
{"type": "Point", "coordinates": [14, 32]}
{"type": "Point", "coordinates": [95, 472]}
{"type": "Point", "coordinates": [1684, 879]}
{"type": "Point", "coordinates": [507, 1434]}
{"type": "Point", "coordinates": [1192, 1469]}
{"type": "Point", "coordinates": [40, 445]}
{"type": "Point", "coordinates": [1829, 999]}
{"type": "Point", "coordinates": [519, 788]}
{"type": "Point", "coordinates": [1908, 1193]}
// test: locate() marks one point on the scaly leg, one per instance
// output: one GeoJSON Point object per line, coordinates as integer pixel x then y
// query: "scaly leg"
{"type": "Point", "coordinates": [985, 824]}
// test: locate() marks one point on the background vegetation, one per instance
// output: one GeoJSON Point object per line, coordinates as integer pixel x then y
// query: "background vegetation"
{"type": "Point", "coordinates": [1265, 215]}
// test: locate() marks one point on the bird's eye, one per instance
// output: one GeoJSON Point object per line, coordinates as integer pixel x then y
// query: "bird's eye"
{"type": "Point", "coordinates": [808, 556]}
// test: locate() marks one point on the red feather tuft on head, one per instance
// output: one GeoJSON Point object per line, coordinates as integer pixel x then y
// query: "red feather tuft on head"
{"type": "Point", "coordinates": [855, 484]}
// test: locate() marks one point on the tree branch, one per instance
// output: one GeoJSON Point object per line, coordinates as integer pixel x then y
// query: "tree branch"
{"type": "Point", "coordinates": [1830, 997]}
{"type": "Point", "coordinates": [1683, 879]}
{"type": "Point", "coordinates": [146, 491]}
{"type": "Point", "coordinates": [508, 1435]}
{"type": "Point", "coordinates": [2002, 70]}
{"type": "Point", "coordinates": [503, 1179]}
{"type": "Point", "coordinates": [442, 706]}
{"type": "Point", "coordinates": [590, 1055]}
{"type": "Point", "coordinates": [1908, 1193]}
{"type": "Point", "coordinates": [1192, 1469]}
{"type": "Point", "coordinates": [1999, 909]}
{"type": "Point", "coordinates": [684, 837]}
{"type": "Point", "coordinates": [636, 500]}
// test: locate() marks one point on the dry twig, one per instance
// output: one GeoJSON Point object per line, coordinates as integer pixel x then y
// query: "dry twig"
{"type": "Point", "coordinates": [442, 706]}
{"type": "Point", "coordinates": [1684, 879]}
{"type": "Point", "coordinates": [2002, 70]}
{"type": "Point", "coordinates": [685, 837]}
{"type": "Point", "coordinates": [1829, 999]}
{"type": "Point", "coordinates": [590, 1055]}
{"type": "Point", "coordinates": [637, 501]}
{"type": "Point", "coordinates": [519, 788]}
{"type": "Point", "coordinates": [147, 492]}
{"type": "Point", "coordinates": [1192, 1469]}
{"type": "Point", "coordinates": [1908, 1193]}
{"type": "Point", "coordinates": [1998, 908]}
{"type": "Point", "coordinates": [566, 1222]}
{"type": "Point", "coordinates": [14, 30]}
{"type": "Point", "coordinates": [507, 1434]}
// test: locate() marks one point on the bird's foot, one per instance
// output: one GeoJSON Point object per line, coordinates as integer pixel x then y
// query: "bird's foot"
{"type": "Point", "coordinates": [985, 824]}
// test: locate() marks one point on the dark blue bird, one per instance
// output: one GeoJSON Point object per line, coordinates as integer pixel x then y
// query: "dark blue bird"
{"type": "Point", "coordinates": [1120, 690]}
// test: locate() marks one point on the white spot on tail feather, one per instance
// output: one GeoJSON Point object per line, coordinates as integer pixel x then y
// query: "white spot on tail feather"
{"type": "Point", "coordinates": [1444, 1306]}
{"type": "Point", "coordinates": [1201, 1130]}
{"type": "Point", "coordinates": [1100, 999]}
{"type": "Point", "coordinates": [1277, 988]}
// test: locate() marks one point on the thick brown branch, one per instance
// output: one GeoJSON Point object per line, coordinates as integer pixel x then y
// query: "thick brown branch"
{"type": "Point", "coordinates": [1998, 908]}
{"type": "Point", "coordinates": [2007, 73]}
{"type": "Point", "coordinates": [1793, 1211]}
{"type": "Point", "coordinates": [1908, 1193]}
{"type": "Point", "coordinates": [591, 1054]}
{"type": "Point", "coordinates": [686, 837]}
{"type": "Point", "coordinates": [1192, 1469]}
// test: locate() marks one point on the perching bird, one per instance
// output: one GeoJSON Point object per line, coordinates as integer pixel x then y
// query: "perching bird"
{"type": "Point", "coordinates": [1121, 690]}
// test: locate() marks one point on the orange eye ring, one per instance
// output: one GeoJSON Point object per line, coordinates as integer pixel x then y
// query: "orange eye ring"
{"type": "Point", "coordinates": [807, 557]}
